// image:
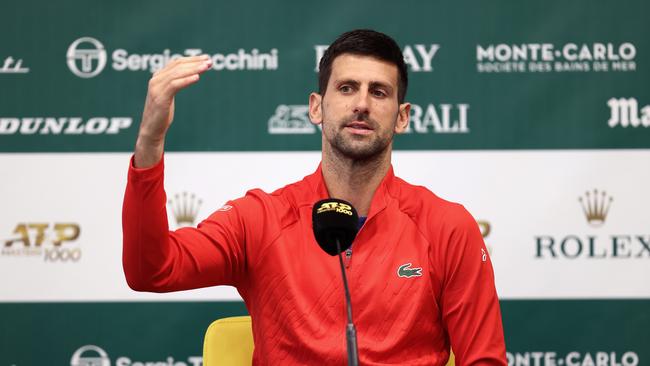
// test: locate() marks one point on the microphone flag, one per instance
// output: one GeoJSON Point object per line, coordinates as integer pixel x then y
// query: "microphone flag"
{"type": "Point", "coordinates": [334, 219]}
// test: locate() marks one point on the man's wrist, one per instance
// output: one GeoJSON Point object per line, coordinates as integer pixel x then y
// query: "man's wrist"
{"type": "Point", "coordinates": [147, 152]}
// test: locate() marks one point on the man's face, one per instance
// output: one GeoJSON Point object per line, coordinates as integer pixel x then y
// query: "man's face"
{"type": "Point", "coordinates": [359, 111]}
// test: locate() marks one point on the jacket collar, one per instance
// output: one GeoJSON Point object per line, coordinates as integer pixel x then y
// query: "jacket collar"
{"type": "Point", "coordinates": [318, 190]}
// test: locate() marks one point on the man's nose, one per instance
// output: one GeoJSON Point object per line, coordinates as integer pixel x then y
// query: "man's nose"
{"type": "Point", "coordinates": [361, 103]}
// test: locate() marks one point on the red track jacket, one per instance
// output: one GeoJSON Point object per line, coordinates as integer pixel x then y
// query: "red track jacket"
{"type": "Point", "coordinates": [420, 276]}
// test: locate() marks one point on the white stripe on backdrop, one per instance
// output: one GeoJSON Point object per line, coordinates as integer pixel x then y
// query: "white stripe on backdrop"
{"type": "Point", "coordinates": [528, 198]}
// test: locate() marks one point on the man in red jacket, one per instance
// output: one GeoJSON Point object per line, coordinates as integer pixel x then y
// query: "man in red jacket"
{"type": "Point", "coordinates": [419, 273]}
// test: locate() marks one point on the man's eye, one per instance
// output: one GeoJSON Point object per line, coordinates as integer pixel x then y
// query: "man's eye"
{"type": "Point", "coordinates": [345, 88]}
{"type": "Point", "coordinates": [378, 93]}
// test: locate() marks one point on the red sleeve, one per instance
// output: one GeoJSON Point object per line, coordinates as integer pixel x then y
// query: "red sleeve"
{"type": "Point", "coordinates": [469, 303]}
{"type": "Point", "coordinates": [158, 260]}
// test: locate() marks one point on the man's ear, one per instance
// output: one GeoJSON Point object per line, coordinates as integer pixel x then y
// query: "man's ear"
{"type": "Point", "coordinates": [315, 108]}
{"type": "Point", "coordinates": [403, 117]}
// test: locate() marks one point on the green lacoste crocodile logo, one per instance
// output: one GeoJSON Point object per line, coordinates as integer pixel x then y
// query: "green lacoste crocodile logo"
{"type": "Point", "coordinates": [405, 271]}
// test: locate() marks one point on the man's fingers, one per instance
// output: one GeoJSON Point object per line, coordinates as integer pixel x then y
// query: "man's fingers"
{"type": "Point", "coordinates": [181, 62]}
{"type": "Point", "coordinates": [188, 69]}
{"type": "Point", "coordinates": [180, 71]}
{"type": "Point", "coordinates": [192, 58]}
{"type": "Point", "coordinates": [164, 86]}
{"type": "Point", "coordinates": [180, 83]}
{"type": "Point", "coordinates": [179, 80]}
{"type": "Point", "coordinates": [159, 106]}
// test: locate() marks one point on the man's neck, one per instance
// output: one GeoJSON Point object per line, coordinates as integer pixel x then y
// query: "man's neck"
{"type": "Point", "coordinates": [354, 180]}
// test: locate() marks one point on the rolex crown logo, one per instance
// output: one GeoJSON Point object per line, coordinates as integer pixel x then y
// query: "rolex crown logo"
{"type": "Point", "coordinates": [185, 208]}
{"type": "Point", "coordinates": [595, 205]}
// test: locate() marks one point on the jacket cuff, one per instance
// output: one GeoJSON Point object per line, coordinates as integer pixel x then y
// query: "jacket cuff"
{"type": "Point", "coordinates": [154, 172]}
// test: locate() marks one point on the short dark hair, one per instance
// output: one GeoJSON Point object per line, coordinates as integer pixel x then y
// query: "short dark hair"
{"type": "Point", "coordinates": [364, 42]}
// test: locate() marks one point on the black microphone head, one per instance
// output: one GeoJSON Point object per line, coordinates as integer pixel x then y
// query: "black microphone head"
{"type": "Point", "coordinates": [334, 219]}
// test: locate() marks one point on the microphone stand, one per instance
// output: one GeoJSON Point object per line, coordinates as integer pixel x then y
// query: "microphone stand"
{"type": "Point", "coordinates": [351, 332]}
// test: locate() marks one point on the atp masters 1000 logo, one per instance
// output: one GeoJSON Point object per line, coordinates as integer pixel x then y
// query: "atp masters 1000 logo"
{"type": "Point", "coordinates": [335, 206]}
{"type": "Point", "coordinates": [54, 242]}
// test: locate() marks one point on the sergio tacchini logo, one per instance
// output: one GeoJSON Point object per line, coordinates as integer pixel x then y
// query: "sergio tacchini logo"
{"type": "Point", "coordinates": [405, 271]}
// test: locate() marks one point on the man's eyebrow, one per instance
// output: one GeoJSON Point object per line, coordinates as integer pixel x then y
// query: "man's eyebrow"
{"type": "Point", "coordinates": [348, 81]}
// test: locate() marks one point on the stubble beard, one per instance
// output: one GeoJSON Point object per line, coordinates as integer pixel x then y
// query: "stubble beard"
{"type": "Point", "coordinates": [358, 148]}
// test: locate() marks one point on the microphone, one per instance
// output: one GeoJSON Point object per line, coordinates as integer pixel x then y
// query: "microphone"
{"type": "Point", "coordinates": [336, 223]}
{"type": "Point", "coordinates": [334, 219]}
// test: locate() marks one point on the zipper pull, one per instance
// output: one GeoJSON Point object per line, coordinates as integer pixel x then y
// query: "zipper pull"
{"type": "Point", "coordinates": [348, 257]}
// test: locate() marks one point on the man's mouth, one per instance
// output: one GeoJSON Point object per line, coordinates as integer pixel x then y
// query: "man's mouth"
{"type": "Point", "coordinates": [358, 125]}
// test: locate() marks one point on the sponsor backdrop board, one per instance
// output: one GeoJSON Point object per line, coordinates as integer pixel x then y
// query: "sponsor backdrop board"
{"type": "Point", "coordinates": [535, 116]}
{"type": "Point", "coordinates": [166, 333]}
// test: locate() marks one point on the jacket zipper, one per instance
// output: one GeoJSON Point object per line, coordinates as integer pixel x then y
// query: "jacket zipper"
{"type": "Point", "coordinates": [347, 257]}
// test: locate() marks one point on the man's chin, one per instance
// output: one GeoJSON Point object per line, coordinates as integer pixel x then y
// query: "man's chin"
{"type": "Point", "coordinates": [360, 152]}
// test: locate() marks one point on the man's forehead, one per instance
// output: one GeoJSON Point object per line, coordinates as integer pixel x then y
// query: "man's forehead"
{"type": "Point", "coordinates": [363, 68]}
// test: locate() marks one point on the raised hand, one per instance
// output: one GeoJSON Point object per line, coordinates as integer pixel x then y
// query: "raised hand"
{"type": "Point", "coordinates": [159, 106]}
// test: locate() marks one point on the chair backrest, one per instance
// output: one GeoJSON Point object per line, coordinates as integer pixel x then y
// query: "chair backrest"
{"type": "Point", "coordinates": [452, 359]}
{"type": "Point", "coordinates": [229, 342]}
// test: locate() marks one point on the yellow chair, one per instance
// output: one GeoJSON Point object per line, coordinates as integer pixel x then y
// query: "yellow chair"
{"type": "Point", "coordinates": [452, 359]}
{"type": "Point", "coordinates": [229, 341]}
